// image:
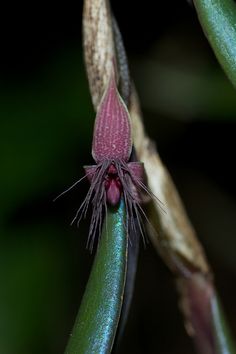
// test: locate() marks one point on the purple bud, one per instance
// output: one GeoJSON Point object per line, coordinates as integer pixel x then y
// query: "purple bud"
{"type": "Point", "coordinates": [112, 130]}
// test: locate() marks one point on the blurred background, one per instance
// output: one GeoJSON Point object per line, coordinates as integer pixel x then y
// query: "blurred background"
{"type": "Point", "coordinates": [46, 123]}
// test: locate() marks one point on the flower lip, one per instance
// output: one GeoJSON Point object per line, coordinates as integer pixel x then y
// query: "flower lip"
{"type": "Point", "coordinates": [113, 186]}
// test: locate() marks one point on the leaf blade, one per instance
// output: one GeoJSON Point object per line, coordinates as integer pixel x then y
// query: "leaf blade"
{"type": "Point", "coordinates": [222, 335]}
{"type": "Point", "coordinates": [218, 18]}
{"type": "Point", "coordinates": [97, 320]}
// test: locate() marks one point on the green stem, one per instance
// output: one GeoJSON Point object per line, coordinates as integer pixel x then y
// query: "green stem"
{"type": "Point", "coordinates": [95, 327]}
{"type": "Point", "coordinates": [218, 20]}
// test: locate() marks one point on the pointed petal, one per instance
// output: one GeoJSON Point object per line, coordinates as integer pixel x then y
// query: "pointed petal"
{"type": "Point", "coordinates": [90, 171]}
{"type": "Point", "coordinates": [137, 170]}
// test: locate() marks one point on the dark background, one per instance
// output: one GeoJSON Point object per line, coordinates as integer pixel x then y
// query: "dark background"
{"type": "Point", "coordinates": [46, 122]}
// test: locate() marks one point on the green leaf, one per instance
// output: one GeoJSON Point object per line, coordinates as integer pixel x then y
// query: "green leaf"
{"type": "Point", "coordinates": [95, 327]}
{"type": "Point", "coordinates": [218, 20]}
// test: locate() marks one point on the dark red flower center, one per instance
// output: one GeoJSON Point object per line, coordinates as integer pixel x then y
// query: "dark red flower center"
{"type": "Point", "coordinates": [113, 186]}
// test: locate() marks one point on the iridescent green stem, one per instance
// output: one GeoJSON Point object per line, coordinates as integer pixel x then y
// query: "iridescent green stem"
{"type": "Point", "coordinates": [96, 323]}
{"type": "Point", "coordinates": [218, 20]}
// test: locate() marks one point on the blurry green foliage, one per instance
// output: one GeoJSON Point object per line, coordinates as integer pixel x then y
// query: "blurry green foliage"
{"type": "Point", "coordinates": [40, 123]}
